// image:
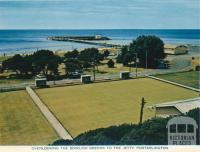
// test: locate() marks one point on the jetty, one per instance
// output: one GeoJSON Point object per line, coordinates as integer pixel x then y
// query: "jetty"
{"type": "Point", "coordinates": [92, 40]}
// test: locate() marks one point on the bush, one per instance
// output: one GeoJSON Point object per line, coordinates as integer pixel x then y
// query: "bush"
{"type": "Point", "coordinates": [61, 142]}
{"type": "Point", "coordinates": [145, 134]}
{"type": "Point", "coordinates": [111, 63]}
{"type": "Point", "coordinates": [151, 132]}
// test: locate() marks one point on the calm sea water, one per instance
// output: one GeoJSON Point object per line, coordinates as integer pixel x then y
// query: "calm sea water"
{"type": "Point", "coordinates": [23, 41]}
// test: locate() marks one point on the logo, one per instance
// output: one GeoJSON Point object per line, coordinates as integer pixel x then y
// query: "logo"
{"type": "Point", "coordinates": [182, 131]}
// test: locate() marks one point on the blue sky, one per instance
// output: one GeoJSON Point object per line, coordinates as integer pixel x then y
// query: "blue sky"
{"type": "Point", "coordinates": [99, 14]}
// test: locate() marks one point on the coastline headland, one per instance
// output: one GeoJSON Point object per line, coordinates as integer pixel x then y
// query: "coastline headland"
{"type": "Point", "coordinates": [93, 40]}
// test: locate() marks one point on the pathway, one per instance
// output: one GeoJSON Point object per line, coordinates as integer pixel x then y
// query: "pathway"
{"type": "Point", "coordinates": [61, 131]}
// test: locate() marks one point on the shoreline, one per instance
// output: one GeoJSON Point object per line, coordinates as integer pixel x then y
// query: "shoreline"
{"type": "Point", "coordinates": [26, 52]}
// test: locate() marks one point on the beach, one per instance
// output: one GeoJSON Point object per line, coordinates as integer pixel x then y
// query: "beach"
{"type": "Point", "coordinates": [25, 41]}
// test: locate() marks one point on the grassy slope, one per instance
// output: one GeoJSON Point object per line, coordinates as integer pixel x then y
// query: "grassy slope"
{"type": "Point", "coordinates": [21, 122]}
{"type": "Point", "coordinates": [85, 107]}
{"type": "Point", "coordinates": [190, 78]}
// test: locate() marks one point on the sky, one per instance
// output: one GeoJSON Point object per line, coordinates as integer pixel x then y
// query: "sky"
{"type": "Point", "coordinates": [100, 14]}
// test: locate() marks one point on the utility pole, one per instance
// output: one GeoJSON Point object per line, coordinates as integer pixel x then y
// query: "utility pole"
{"type": "Point", "coordinates": [128, 47]}
{"type": "Point", "coordinates": [146, 60]}
{"type": "Point", "coordinates": [136, 65]}
{"type": "Point", "coordinates": [94, 69]}
{"type": "Point", "coordinates": [141, 110]}
{"type": "Point", "coordinates": [130, 67]}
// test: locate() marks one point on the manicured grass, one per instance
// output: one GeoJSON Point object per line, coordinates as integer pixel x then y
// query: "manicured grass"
{"type": "Point", "coordinates": [15, 81]}
{"type": "Point", "coordinates": [84, 107]}
{"type": "Point", "coordinates": [191, 78]}
{"type": "Point", "coordinates": [21, 122]}
{"type": "Point", "coordinates": [2, 58]}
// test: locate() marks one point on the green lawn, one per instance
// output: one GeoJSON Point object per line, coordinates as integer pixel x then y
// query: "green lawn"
{"type": "Point", "coordinates": [15, 81]}
{"type": "Point", "coordinates": [191, 78]}
{"type": "Point", "coordinates": [84, 107]}
{"type": "Point", "coordinates": [21, 123]}
{"type": "Point", "coordinates": [2, 58]}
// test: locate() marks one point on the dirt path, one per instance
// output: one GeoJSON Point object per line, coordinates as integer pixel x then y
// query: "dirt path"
{"type": "Point", "coordinates": [61, 131]}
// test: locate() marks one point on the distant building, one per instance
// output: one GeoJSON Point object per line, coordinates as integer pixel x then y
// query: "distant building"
{"type": "Point", "coordinates": [176, 108]}
{"type": "Point", "coordinates": [97, 37]}
{"type": "Point", "coordinates": [175, 49]}
{"type": "Point", "coordinates": [196, 63]}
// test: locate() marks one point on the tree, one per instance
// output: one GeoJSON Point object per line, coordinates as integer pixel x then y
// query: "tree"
{"type": "Point", "coordinates": [18, 63]}
{"type": "Point", "coordinates": [73, 54]}
{"type": "Point", "coordinates": [91, 56]}
{"type": "Point", "coordinates": [127, 59]}
{"type": "Point", "coordinates": [195, 114]}
{"type": "Point", "coordinates": [45, 61]}
{"type": "Point", "coordinates": [72, 65]}
{"type": "Point", "coordinates": [150, 48]}
{"type": "Point", "coordinates": [120, 57]}
{"type": "Point", "coordinates": [1, 69]}
{"type": "Point", "coordinates": [106, 53]}
{"type": "Point", "coordinates": [111, 63]}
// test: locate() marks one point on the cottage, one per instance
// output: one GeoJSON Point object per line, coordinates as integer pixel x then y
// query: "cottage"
{"type": "Point", "coordinates": [175, 49]}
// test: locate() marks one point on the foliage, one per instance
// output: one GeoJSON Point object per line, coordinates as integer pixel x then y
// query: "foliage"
{"type": "Point", "coordinates": [120, 57]}
{"type": "Point", "coordinates": [145, 134]}
{"type": "Point", "coordinates": [73, 54]}
{"type": "Point", "coordinates": [106, 53]}
{"type": "Point", "coordinates": [150, 132]}
{"type": "Point", "coordinates": [61, 142]}
{"type": "Point", "coordinates": [72, 65]}
{"type": "Point", "coordinates": [150, 48]}
{"type": "Point", "coordinates": [111, 63]}
{"type": "Point", "coordinates": [195, 114]}
{"type": "Point", "coordinates": [90, 55]}
{"type": "Point", "coordinates": [41, 61]}
{"type": "Point", "coordinates": [45, 61]}
{"type": "Point", "coordinates": [19, 64]}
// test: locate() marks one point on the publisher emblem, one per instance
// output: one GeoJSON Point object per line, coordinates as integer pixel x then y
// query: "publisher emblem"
{"type": "Point", "coordinates": [182, 131]}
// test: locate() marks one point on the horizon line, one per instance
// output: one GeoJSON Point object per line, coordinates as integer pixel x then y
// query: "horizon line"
{"type": "Point", "coordinates": [99, 28]}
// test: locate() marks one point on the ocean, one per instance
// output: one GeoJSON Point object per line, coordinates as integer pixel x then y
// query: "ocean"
{"type": "Point", "coordinates": [24, 41]}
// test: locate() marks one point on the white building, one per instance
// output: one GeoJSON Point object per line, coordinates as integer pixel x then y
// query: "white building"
{"type": "Point", "coordinates": [175, 49]}
{"type": "Point", "coordinates": [176, 108]}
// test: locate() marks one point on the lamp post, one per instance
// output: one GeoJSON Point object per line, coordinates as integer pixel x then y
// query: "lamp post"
{"type": "Point", "coordinates": [94, 74]}
{"type": "Point", "coordinates": [146, 59]}
{"type": "Point", "coordinates": [136, 57]}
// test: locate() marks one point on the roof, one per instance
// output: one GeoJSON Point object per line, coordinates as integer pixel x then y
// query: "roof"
{"type": "Point", "coordinates": [182, 105]}
{"type": "Point", "coordinates": [172, 46]}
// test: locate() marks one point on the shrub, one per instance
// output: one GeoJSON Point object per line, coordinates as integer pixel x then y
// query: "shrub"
{"type": "Point", "coordinates": [111, 63]}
